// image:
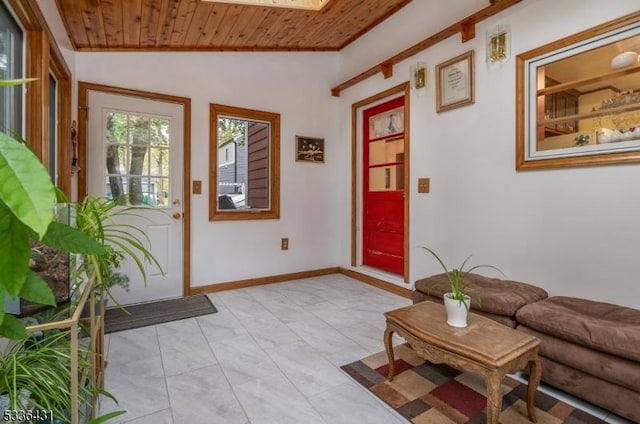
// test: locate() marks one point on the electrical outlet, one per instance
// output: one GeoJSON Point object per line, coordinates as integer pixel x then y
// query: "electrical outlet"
{"type": "Point", "coordinates": [284, 244]}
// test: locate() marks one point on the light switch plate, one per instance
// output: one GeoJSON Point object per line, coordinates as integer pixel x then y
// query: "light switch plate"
{"type": "Point", "coordinates": [197, 187]}
{"type": "Point", "coordinates": [423, 185]}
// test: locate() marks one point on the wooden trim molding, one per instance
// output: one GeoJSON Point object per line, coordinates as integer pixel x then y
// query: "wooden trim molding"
{"type": "Point", "coordinates": [466, 27]}
{"type": "Point", "coordinates": [376, 282]}
{"type": "Point", "coordinates": [260, 281]}
{"type": "Point", "coordinates": [62, 74]}
{"type": "Point", "coordinates": [401, 89]}
{"type": "Point", "coordinates": [83, 105]}
{"type": "Point", "coordinates": [273, 190]}
{"type": "Point", "coordinates": [37, 101]}
{"type": "Point", "coordinates": [42, 57]}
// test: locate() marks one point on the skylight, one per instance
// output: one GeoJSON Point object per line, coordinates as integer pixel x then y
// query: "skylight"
{"type": "Point", "coordinates": [293, 4]}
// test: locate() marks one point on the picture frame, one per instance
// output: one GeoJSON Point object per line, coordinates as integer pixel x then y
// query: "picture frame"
{"type": "Point", "coordinates": [387, 123]}
{"type": "Point", "coordinates": [309, 149]}
{"type": "Point", "coordinates": [455, 82]}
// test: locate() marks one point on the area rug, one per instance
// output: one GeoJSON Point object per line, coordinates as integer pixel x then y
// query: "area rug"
{"type": "Point", "coordinates": [423, 392]}
{"type": "Point", "coordinates": [117, 319]}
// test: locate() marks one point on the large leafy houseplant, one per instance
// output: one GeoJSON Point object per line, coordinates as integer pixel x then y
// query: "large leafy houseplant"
{"type": "Point", "coordinates": [27, 197]}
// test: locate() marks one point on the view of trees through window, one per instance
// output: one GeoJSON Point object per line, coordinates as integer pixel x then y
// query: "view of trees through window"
{"type": "Point", "coordinates": [231, 128]}
{"type": "Point", "coordinates": [137, 160]}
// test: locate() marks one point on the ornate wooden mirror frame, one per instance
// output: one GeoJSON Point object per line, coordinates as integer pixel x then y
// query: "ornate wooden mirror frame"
{"type": "Point", "coordinates": [578, 98]}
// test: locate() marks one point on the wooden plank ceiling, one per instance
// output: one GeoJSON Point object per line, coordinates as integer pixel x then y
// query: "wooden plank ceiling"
{"type": "Point", "coordinates": [150, 25]}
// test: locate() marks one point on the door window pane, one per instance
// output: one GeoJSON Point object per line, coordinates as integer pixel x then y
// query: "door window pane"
{"type": "Point", "coordinates": [386, 178]}
{"type": "Point", "coordinates": [137, 158]}
{"type": "Point", "coordinates": [386, 151]}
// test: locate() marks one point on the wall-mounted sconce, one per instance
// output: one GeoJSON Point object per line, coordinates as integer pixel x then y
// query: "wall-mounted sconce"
{"type": "Point", "coordinates": [498, 46]}
{"type": "Point", "coordinates": [419, 78]}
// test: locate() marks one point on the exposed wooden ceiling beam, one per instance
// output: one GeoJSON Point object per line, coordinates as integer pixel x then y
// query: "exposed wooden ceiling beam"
{"type": "Point", "coordinates": [466, 27]}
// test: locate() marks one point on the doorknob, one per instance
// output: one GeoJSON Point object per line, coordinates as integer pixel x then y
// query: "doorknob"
{"type": "Point", "coordinates": [177, 215]}
{"type": "Point", "coordinates": [176, 201]}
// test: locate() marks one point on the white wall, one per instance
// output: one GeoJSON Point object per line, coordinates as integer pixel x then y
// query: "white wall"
{"type": "Point", "coordinates": [572, 231]}
{"type": "Point", "coordinates": [296, 85]}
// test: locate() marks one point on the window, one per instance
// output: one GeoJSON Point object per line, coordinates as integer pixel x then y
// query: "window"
{"type": "Point", "coordinates": [11, 58]}
{"type": "Point", "coordinates": [42, 117]}
{"type": "Point", "coordinates": [137, 159]}
{"type": "Point", "coordinates": [245, 148]}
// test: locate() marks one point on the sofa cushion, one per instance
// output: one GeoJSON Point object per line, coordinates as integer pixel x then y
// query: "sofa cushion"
{"type": "Point", "coordinates": [500, 297]}
{"type": "Point", "coordinates": [611, 368]}
{"type": "Point", "coordinates": [596, 325]}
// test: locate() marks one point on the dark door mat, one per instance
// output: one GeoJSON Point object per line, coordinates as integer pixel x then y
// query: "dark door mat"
{"type": "Point", "coordinates": [116, 319]}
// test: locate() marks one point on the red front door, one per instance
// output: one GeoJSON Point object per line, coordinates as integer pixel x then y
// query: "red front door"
{"type": "Point", "coordinates": [383, 186]}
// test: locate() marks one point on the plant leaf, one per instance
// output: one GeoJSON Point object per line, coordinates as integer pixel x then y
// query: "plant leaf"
{"type": "Point", "coordinates": [12, 328]}
{"type": "Point", "coordinates": [70, 239]}
{"type": "Point", "coordinates": [6, 83]}
{"type": "Point", "coordinates": [2, 304]}
{"type": "Point", "coordinates": [15, 252]}
{"type": "Point", "coordinates": [25, 185]}
{"type": "Point", "coordinates": [106, 417]}
{"type": "Point", "coordinates": [37, 290]}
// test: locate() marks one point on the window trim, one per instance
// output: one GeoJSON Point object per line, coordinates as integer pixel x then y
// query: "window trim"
{"type": "Point", "coordinates": [42, 57]}
{"type": "Point", "coordinates": [273, 212]}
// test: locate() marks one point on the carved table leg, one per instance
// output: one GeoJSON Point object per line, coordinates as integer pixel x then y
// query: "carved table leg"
{"type": "Point", "coordinates": [535, 372]}
{"type": "Point", "coordinates": [388, 333]}
{"type": "Point", "coordinates": [494, 398]}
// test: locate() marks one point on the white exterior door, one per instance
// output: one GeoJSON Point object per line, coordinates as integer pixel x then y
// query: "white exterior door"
{"type": "Point", "coordinates": [135, 150]}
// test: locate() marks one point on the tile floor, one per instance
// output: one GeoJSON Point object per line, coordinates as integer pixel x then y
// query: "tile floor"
{"type": "Point", "coordinates": [271, 355]}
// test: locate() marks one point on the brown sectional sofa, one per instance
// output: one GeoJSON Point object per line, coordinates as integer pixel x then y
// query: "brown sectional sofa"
{"type": "Point", "coordinates": [589, 349]}
{"type": "Point", "coordinates": [500, 299]}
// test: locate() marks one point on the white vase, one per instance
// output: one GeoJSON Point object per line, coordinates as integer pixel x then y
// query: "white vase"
{"type": "Point", "coordinates": [603, 137]}
{"type": "Point", "coordinates": [456, 311]}
{"type": "Point", "coordinates": [616, 136]}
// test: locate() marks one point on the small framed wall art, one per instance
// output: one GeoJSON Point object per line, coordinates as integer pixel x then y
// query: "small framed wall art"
{"type": "Point", "coordinates": [454, 82]}
{"type": "Point", "coordinates": [309, 149]}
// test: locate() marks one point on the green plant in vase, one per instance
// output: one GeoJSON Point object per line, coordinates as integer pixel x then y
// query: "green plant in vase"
{"type": "Point", "coordinates": [457, 295]}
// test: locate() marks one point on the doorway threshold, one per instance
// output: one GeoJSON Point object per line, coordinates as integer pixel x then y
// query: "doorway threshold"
{"type": "Point", "coordinates": [384, 280]}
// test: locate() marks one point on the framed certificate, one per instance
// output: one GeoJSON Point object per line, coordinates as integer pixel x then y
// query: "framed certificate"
{"type": "Point", "coordinates": [454, 82]}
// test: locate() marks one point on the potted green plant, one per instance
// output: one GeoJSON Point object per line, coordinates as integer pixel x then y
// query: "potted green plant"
{"type": "Point", "coordinates": [456, 301]}
{"type": "Point", "coordinates": [35, 375]}
{"type": "Point", "coordinates": [99, 218]}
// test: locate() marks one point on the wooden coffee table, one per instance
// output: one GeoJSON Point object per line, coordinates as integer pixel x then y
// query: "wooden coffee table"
{"type": "Point", "coordinates": [484, 347]}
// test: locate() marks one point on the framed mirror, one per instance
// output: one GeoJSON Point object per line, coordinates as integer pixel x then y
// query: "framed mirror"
{"type": "Point", "coordinates": [578, 99]}
{"type": "Point", "coordinates": [244, 164]}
